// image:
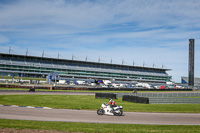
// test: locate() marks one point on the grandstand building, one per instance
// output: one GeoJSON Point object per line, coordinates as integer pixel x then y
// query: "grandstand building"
{"type": "Point", "coordinates": [33, 66]}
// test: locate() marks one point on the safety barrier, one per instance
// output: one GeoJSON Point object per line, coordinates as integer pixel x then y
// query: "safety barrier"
{"type": "Point", "coordinates": [105, 95]}
{"type": "Point", "coordinates": [135, 99]}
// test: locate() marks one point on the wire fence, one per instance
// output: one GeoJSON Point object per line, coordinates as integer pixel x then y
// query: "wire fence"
{"type": "Point", "coordinates": [174, 100]}
{"type": "Point", "coordinates": [161, 95]}
{"type": "Point", "coordinates": [167, 98]}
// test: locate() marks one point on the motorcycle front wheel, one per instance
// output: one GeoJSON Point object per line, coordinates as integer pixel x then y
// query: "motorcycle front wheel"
{"type": "Point", "coordinates": [100, 111]}
{"type": "Point", "coordinates": [118, 114]}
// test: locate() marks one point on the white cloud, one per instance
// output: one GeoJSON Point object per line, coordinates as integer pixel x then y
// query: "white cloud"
{"type": "Point", "coordinates": [150, 31]}
{"type": "Point", "coordinates": [88, 14]}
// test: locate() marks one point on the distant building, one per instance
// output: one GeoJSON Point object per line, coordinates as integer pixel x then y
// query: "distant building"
{"type": "Point", "coordinates": [33, 66]}
{"type": "Point", "coordinates": [185, 80]}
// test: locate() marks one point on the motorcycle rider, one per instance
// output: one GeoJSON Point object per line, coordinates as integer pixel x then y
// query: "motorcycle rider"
{"type": "Point", "coordinates": [112, 103]}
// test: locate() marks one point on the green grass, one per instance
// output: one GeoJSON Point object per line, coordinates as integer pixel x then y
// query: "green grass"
{"type": "Point", "coordinates": [97, 127]}
{"type": "Point", "coordinates": [90, 103]}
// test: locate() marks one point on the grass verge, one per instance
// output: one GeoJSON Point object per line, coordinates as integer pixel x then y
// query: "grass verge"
{"type": "Point", "coordinates": [82, 102]}
{"type": "Point", "coordinates": [97, 127]}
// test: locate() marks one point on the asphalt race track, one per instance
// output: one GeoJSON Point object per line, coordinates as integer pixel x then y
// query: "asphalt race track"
{"type": "Point", "coordinates": [67, 115]}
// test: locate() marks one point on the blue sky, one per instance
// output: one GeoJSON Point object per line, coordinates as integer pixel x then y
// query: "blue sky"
{"type": "Point", "coordinates": [140, 31]}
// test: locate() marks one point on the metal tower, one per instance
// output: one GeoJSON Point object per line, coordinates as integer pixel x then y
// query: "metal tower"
{"type": "Point", "coordinates": [191, 63]}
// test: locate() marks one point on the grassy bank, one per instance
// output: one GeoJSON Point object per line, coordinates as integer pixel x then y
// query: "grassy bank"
{"type": "Point", "coordinates": [97, 127]}
{"type": "Point", "coordinates": [90, 103]}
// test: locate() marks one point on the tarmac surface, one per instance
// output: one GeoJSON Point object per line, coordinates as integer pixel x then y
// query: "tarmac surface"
{"type": "Point", "coordinates": [67, 115]}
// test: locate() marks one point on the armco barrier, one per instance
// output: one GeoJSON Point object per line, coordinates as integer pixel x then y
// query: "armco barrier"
{"type": "Point", "coordinates": [135, 99]}
{"type": "Point", "coordinates": [105, 95]}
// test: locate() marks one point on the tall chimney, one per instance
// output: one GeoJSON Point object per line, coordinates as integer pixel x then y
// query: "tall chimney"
{"type": "Point", "coordinates": [191, 63]}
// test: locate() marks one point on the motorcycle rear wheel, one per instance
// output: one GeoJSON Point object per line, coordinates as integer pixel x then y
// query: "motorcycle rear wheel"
{"type": "Point", "coordinates": [100, 111]}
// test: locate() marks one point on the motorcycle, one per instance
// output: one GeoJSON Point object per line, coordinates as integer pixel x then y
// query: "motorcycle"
{"type": "Point", "coordinates": [108, 110]}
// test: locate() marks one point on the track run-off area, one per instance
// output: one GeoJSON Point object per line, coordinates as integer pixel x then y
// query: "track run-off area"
{"type": "Point", "coordinates": [87, 116]}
